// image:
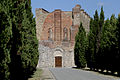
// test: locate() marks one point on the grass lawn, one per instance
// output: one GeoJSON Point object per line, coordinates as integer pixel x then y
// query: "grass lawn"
{"type": "Point", "coordinates": [36, 75]}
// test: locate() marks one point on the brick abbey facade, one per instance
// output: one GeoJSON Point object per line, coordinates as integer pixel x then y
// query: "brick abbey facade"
{"type": "Point", "coordinates": [56, 35]}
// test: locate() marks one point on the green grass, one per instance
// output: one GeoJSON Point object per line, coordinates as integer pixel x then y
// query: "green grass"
{"type": "Point", "coordinates": [36, 75]}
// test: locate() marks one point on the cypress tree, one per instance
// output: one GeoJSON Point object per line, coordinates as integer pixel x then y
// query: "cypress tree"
{"type": "Point", "coordinates": [118, 45]}
{"type": "Point", "coordinates": [101, 22]}
{"type": "Point", "coordinates": [94, 39]}
{"type": "Point", "coordinates": [76, 52]}
{"type": "Point", "coordinates": [29, 46]}
{"type": "Point", "coordinates": [113, 40]}
{"type": "Point", "coordinates": [104, 43]}
{"type": "Point", "coordinates": [5, 37]}
{"type": "Point", "coordinates": [91, 44]}
{"type": "Point", "coordinates": [18, 43]}
{"type": "Point", "coordinates": [96, 30]}
{"type": "Point", "coordinates": [105, 47]}
{"type": "Point", "coordinates": [24, 53]}
{"type": "Point", "coordinates": [80, 46]}
{"type": "Point", "coordinates": [16, 64]}
{"type": "Point", "coordinates": [108, 44]}
{"type": "Point", "coordinates": [98, 51]}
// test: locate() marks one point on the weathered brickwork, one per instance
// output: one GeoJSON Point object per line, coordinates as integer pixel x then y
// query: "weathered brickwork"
{"type": "Point", "coordinates": [56, 34]}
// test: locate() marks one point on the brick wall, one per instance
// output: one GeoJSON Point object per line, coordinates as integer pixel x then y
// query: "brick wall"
{"type": "Point", "coordinates": [57, 21]}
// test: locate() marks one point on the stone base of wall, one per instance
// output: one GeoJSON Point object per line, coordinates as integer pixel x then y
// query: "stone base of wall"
{"type": "Point", "coordinates": [47, 57]}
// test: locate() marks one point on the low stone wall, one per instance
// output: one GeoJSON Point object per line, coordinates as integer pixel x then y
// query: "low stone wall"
{"type": "Point", "coordinates": [47, 57]}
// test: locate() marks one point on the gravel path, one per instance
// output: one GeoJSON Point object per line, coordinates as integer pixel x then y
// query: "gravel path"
{"type": "Point", "coordinates": [77, 74]}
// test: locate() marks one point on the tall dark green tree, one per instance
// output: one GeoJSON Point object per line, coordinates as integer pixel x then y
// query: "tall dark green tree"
{"type": "Point", "coordinates": [95, 33]}
{"type": "Point", "coordinates": [113, 40]}
{"type": "Point", "coordinates": [118, 37]}
{"type": "Point", "coordinates": [24, 52]}
{"type": "Point", "coordinates": [16, 69]}
{"type": "Point", "coordinates": [94, 38]}
{"type": "Point", "coordinates": [105, 47]}
{"type": "Point", "coordinates": [108, 44]}
{"type": "Point", "coordinates": [5, 37]}
{"type": "Point", "coordinates": [98, 39]}
{"type": "Point", "coordinates": [102, 17]}
{"type": "Point", "coordinates": [18, 43]}
{"type": "Point", "coordinates": [80, 46]}
{"type": "Point", "coordinates": [29, 47]}
{"type": "Point", "coordinates": [91, 45]}
{"type": "Point", "coordinates": [104, 43]}
{"type": "Point", "coordinates": [33, 50]}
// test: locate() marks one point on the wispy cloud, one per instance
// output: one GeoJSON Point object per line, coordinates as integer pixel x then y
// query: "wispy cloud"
{"type": "Point", "coordinates": [100, 4]}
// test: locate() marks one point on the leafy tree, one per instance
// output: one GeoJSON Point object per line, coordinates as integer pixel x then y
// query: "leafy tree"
{"type": "Point", "coordinates": [80, 46]}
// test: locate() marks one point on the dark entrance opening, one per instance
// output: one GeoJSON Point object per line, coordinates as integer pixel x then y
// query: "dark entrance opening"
{"type": "Point", "coordinates": [58, 61]}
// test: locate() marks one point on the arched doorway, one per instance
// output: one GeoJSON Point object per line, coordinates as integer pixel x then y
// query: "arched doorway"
{"type": "Point", "coordinates": [58, 61]}
{"type": "Point", "coordinates": [58, 57]}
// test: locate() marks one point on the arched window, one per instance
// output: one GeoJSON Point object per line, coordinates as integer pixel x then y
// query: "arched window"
{"type": "Point", "coordinates": [50, 34]}
{"type": "Point", "coordinates": [65, 31]}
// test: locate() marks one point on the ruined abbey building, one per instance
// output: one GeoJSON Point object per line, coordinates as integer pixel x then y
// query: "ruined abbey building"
{"type": "Point", "coordinates": [56, 35]}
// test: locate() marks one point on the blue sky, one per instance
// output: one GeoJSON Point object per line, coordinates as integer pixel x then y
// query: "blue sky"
{"type": "Point", "coordinates": [110, 6]}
